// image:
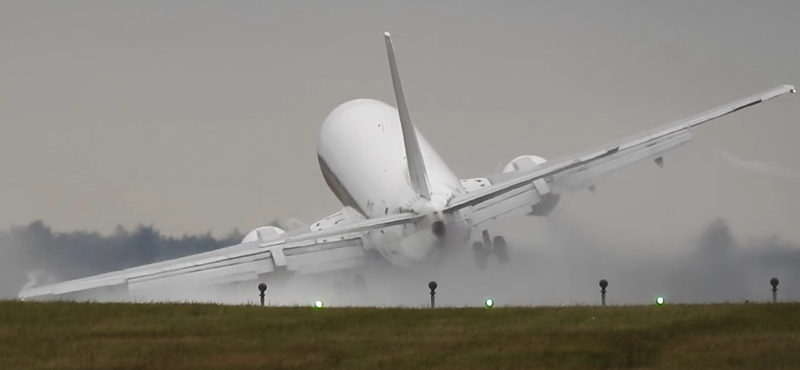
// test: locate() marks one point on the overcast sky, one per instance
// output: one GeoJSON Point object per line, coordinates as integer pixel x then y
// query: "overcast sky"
{"type": "Point", "coordinates": [197, 115]}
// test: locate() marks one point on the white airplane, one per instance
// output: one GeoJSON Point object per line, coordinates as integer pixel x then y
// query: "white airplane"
{"type": "Point", "coordinates": [399, 198]}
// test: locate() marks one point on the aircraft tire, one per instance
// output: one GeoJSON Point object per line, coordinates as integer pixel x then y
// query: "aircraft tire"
{"type": "Point", "coordinates": [481, 257]}
{"type": "Point", "coordinates": [500, 249]}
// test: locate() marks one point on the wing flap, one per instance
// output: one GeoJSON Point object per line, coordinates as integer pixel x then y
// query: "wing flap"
{"type": "Point", "coordinates": [584, 176]}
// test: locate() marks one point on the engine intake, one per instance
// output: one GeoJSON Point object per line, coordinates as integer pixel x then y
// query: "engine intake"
{"type": "Point", "coordinates": [263, 233]}
{"type": "Point", "coordinates": [524, 163]}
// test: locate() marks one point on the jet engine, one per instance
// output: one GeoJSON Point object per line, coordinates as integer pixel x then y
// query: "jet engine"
{"type": "Point", "coordinates": [524, 163]}
{"type": "Point", "coordinates": [548, 200]}
{"type": "Point", "coordinates": [263, 233]}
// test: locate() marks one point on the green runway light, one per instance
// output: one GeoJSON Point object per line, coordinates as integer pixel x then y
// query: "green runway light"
{"type": "Point", "coordinates": [319, 304]}
{"type": "Point", "coordinates": [660, 300]}
{"type": "Point", "coordinates": [489, 303]}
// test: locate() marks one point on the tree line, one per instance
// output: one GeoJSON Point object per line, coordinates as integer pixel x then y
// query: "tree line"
{"type": "Point", "coordinates": [36, 249]}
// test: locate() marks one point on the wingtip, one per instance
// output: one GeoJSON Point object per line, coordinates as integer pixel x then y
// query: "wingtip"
{"type": "Point", "coordinates": [778, 91]}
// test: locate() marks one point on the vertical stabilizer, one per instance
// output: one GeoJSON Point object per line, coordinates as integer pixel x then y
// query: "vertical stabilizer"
{"type": "Point", "coordinates": [416, 166]}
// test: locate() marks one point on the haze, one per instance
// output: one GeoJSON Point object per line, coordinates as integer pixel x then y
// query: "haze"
{"type": "Point", "coordinates": [196, 116]}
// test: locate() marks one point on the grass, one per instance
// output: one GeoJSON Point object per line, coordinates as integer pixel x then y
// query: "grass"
{"type": "Point", "coordinates": [63, 335]}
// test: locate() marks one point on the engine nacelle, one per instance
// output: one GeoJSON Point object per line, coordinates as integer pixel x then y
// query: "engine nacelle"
{"type": "Point", "coordinates": [547, 200]}
{"type": "Point", "coordinates": [263, 233]}
{"type": "Point", "coordinates": [524, 163]}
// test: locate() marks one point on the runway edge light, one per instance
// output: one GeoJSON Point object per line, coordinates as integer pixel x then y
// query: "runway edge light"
{"type": "Point", "coordinates": [489, 303]}
{"type": "Point", "coordinates": [319, 304]}
{"type": "Point", "coordinates": [660, 300]}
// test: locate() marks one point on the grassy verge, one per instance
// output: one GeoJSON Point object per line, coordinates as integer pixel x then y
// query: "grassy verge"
{"type": "Point", "coordinates": [63, 335]}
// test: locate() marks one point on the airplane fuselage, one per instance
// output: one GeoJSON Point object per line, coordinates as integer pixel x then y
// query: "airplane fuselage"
{"type": "Point", "coordinates": [399, 198]}
{"type": "Point", "coordinates": [362, 158]}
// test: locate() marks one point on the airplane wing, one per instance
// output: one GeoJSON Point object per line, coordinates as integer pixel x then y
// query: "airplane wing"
{"type": "Point", "coordinates": [522, 189]}
{"type": "Point", "coordinates": [335, 247]}
{"type": "Point", "coordinates": [313, 251]}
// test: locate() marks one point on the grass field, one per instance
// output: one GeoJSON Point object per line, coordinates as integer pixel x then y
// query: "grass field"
{"type": "Point", "coordinates": [64, 335]}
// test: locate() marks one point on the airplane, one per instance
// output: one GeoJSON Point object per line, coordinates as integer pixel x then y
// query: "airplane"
{"type": "Point", "coordinates": [399, 199]}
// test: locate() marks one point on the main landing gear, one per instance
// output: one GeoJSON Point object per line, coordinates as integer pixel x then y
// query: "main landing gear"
{"type": "Point", "coordinates": [489, 245]}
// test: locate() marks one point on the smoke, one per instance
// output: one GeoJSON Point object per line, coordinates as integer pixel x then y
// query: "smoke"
{"type": "Point", "coordinates": [560, 265]}
{"type": "Point", "coordinates": [563, 267]}
{"type": "Point", "coordinates": [772, 169]}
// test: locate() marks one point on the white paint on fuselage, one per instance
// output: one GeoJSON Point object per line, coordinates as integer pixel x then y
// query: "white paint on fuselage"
{"type": "Point", "coordinates": [361, 144]}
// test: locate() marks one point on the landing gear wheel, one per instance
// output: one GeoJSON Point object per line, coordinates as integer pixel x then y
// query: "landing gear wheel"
{"type": "Point", "coordinates": [441, 251]}
{"type": "Point", "coordinates": [480, 254]}
{"type": "Point", "coordinates": [500, 249]}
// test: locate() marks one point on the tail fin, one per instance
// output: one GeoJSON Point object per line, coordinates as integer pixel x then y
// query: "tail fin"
{"type": "Point", "coordinates": [416, 166]}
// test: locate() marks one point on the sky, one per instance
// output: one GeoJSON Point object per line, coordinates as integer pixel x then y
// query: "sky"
{"type": "Point", "coordinates": [199, 115]}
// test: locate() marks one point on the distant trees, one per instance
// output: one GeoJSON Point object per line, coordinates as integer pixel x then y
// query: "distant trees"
{"type": "Point", "coordinates": [76, 254]}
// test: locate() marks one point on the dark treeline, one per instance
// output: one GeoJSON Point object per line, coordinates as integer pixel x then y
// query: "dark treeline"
{"type": "Point", "coordinates": [722, 263]}
{"type": "Point", "coordinates": [37, 250]}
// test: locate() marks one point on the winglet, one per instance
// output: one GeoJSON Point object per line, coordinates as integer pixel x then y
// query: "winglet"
{"type": "Point", "coordinates": [416, 165]}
